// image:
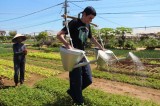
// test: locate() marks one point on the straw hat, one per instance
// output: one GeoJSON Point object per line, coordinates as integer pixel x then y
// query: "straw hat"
{"type": "Point", "coordinates": [17, 36]}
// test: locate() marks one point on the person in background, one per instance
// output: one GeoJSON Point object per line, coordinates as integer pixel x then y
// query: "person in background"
{"type": "Point", "coordinates": [80, 31]}
{"type": "Point", "coordinates": [19, 58]}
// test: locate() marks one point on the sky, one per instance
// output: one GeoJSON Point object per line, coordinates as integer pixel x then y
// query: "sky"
{"type": "Point", "coordinates": [33, 16]}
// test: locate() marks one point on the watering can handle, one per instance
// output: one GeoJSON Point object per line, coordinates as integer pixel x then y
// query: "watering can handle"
{"type": "Point", "coordinates": [84, 63]}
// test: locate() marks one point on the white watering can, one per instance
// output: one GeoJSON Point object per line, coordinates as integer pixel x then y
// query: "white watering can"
{"type": "Point", "coordinates": [71, 58]}
{"type": "Point", "coordinates": [105, 57]}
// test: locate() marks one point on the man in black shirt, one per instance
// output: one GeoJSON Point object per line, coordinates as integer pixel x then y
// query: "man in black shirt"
{"type": "Point", "coordinates": [80, 31]}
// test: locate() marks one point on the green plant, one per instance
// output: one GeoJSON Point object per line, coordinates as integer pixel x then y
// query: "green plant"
{"type": "Point", "coordinates": [151, 43]}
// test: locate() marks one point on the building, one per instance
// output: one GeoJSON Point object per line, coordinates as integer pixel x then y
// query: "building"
{"type": "Point", "coordinates": [2, 33]}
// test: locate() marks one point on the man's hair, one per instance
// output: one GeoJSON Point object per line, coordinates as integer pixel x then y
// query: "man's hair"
{"type": "Point", "coordinates": [89, 11]}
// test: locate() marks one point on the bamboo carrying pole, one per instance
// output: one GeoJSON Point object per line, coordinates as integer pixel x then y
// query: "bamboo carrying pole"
{"type": "Point", "coordinates": [66, 16]}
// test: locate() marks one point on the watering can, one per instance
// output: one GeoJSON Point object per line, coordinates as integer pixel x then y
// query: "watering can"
{"type": "Point", "coordinates": [71, 58]}
{"type": "Point", "coordinates": [105, 57]}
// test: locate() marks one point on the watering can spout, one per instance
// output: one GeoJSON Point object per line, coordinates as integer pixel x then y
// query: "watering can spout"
{"type": "Point", "coordinates": [84, 63]}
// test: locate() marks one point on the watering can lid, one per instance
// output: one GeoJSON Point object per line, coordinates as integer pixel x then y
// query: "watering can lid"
{"type": "Point", "coordinates": [72, 51]}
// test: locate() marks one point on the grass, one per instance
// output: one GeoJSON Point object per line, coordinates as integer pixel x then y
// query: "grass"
{"type": "Point", "coordinates": [135, 80]}
{"type": "Point", "coordinates": [148, 54]}
{"type": "Point", "coordinates": [25, 96]}
{"type": "Point", "coordinates": [52, 92]}
{"type": "Point", "coordinates": [129, 70]}
{"type": "Point", "coordinates": [37, 62]}
{"type": "Point", "coordinates": [46, 72]}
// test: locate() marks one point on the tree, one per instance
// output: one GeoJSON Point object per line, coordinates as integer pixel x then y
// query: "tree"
{"type": "Point", "coordinates": [108, 36]}
{"type": "Point", "coordinates": [12, 33]}
{"type": "Point", "coordinates": [41, 38]}
{"type": "Point", "coordinates": [158, 35]}
{"type": "Point", "coordinates": [94, 31]}
{"type": "Point", "coordinates": [151, 43]}
{"type": "Point", "coordinates": [122, 31]}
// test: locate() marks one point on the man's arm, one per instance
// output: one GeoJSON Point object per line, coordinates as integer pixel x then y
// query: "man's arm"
{"type": "Point", "coordinates": [96, 43]}
{"type": "Point", "coordinates": [60, 36]}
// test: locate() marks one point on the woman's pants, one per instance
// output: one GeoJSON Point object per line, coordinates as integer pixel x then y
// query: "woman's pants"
{"type": "Point", "coordinates": [19, 67]}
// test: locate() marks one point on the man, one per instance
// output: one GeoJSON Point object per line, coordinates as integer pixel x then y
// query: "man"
{"type": "Point", "coordinates": [79, 30]}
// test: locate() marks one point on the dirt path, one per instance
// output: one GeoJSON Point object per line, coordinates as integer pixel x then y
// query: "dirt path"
{"type": "Point", "coordinates": [122, 88]}
{"type": "Point", "coordinates": [29, 82]}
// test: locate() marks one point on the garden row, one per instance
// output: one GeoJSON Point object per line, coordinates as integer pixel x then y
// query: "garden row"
{"type": "Point", "coordinates": [52, 92]}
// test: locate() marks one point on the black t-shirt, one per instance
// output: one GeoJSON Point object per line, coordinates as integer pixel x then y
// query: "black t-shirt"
{"type": "Point", "coordinates": [79, 33]}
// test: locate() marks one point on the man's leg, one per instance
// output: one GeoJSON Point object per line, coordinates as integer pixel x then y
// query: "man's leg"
{"type": "Point", "coordinates": [76, 85]}
{"type": "Point", "coordinates": [86, 76]}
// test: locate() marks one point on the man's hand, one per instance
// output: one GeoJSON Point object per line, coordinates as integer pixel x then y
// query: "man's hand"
{"type": "Point", "coordinates": [69, 46]}
{"type": "Point", "coordinates": [25, 52]}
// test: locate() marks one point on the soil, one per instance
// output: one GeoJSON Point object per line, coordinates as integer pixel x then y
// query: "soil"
{"type": "Point", "coordinates": [30, 82]}
{"type": "Point", "coordinates": [108, 86]}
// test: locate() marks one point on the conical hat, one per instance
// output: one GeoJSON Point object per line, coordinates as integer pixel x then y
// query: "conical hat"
{"type": "Point", "coordinates": [17, 36]}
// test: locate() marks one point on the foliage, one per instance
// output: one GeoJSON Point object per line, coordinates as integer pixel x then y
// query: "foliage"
{"type": "Point", "coordinates": [94, 31]}
{"type": "Point", "coordinates": [46, 63]}
{"type": "Point", "coordinates": [6, 45]}
{"type": "Point", "coordinates": [41, 39]}
{"type": "Point", "coordinates": [12, 33]}
{"type": "Point", "coordinates": [5, 39]}
{"type": "Point", "coordinates": [136, 80]}
{"type": "Point", "coordinates": [52, 91]}
{"type": "Point", "coordinates": [6, 72]}
{"type": "Point", "coordinates": [92, 97]}
{"type": "Point", "coordinates": [123, 30]}
{"type": "Point", "coordinates": [42, 36]}
{"type": "Point", "coordinates": [107, 31]}
{"type": "Point", "coordinates": [24, 96]}
{"type": "Point", "coordinates": [6, 50]}
{"type": "Point", "coordinates": [151, 43]}
{"type": "Point", "coordinates": [48, 49]}
{"type": "Point", "coordinates": [2, 38]}
{"type": "Point", "coordinates": [148, 54]}
{"type": "Point", "coordinates": [129, 44]}
{"type": "Point", "coordinates": [46, 72]}
{"type": "Point", "coordinates": [108, 36]}
{"type": "Point", "coordinates": [55, 45]}
{"type": "Point", "coordinates": [55, 56]}
{"type": "Point", "coordinates": [120, 53]}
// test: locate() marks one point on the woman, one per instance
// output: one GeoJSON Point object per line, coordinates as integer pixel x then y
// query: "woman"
{"type": "Point", "coordinates": [19, 58]}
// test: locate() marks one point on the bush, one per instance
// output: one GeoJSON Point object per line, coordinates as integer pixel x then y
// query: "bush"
{"type": "Point", "coordinates": [151, 43]}
{"type": "Point", "coordinates": [24, 96]}
{"type": "Point", "coordinates": [56, 44]}
{"type": "Point", "coordinates": [130, 45]}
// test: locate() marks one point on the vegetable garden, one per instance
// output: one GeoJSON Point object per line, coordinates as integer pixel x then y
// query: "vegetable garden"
{"type": "Point", "coordinates": [51, 91]}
